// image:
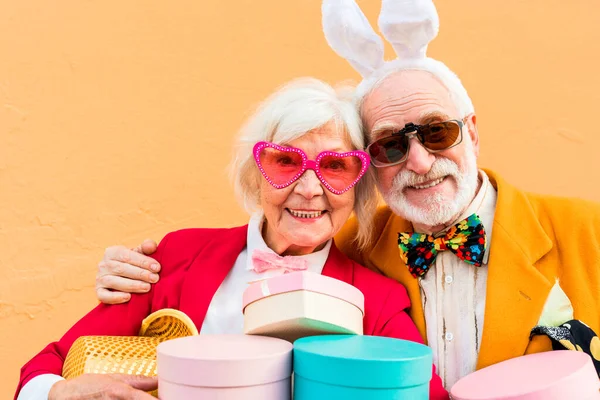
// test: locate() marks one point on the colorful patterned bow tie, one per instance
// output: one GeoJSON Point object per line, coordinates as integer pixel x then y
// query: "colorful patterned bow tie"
{"type": "Point", "coordinates": [466, 239]}
{"type": "Point", "coordinates": [263, 260]}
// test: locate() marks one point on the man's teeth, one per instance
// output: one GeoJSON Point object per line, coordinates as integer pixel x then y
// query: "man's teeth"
{"type": "Point", "coordinates": [306, 214]}
{"type": "Point", "coordinates": [436, 182]}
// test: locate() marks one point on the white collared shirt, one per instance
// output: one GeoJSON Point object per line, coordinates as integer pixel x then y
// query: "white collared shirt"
{"type": "Point", "coordinates": [224, 314]}
{"type": "Point", "coordinates": [453, 297]}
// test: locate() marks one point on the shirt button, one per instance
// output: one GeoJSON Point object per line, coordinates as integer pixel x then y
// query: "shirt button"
{"type": "Point", "coordinates": [449, 279]}
{"type": "Point", "coordinates": [449, 336]}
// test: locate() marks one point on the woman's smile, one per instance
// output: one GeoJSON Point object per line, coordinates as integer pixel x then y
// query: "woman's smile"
{"type": "Point", "coordinates": [306, 215]}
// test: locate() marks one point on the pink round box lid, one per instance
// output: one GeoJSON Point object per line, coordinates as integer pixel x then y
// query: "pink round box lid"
{"type": "Point", "coordinates": [304, 280]}
{"type": "Point", "coordinates": [553, 375]}
{"type": "Point", "coordinates": [224, 360]}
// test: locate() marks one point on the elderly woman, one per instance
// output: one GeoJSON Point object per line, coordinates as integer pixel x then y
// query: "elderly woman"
{"type": "Point", "coordinates": [297, 165]}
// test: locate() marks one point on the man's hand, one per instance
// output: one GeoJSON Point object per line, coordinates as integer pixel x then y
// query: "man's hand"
{"type": "Point", "coordinates": [97, 386]}
{"type": "Point", "coordinates": [123, 271]}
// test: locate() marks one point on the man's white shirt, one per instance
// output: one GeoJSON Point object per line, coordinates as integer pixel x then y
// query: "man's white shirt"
{"type": "Point", "coordinates": [453, 298]}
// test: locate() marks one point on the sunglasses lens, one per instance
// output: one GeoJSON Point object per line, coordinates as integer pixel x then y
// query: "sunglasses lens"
{"type": "Point", "coordinates": [388, 150]}
{"type": "Point", "coordinates": [440, 136]}
{"type": "Point", "coordinates": [435, 137]}
{"type": "Point", "coordinates": [340, 172]}
{"type": "Point", "coordinates": [280, 167]}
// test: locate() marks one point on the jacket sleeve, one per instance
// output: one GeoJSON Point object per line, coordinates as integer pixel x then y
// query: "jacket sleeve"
{"type": "Point", "coordinates": [395, 322]}
{"type": "Point", "coordinates": [107, 320]}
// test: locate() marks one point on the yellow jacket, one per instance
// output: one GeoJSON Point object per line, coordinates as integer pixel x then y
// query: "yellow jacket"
{"type": "Point", "coordinates": [537, 239]}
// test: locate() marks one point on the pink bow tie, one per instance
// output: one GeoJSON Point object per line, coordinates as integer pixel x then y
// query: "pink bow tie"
{"type": "Point", "coordinates": [267, 260]}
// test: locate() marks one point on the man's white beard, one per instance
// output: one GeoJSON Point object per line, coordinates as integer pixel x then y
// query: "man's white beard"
{"type": "Point", "coordinates": [438, 209]}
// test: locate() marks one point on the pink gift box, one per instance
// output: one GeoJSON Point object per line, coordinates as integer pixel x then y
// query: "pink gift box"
{"type": "Point", "coordinates": [224, 367]}
{"type": "Point", "coordinates": [300, 304]}
{"type": "Point", "coordinates": [554, 375]}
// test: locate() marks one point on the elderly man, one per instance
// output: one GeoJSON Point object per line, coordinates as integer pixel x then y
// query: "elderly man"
{"type": "Point", "coordinates": [484, 262]}
{"type": "Point", "coordinates": [473, 316]}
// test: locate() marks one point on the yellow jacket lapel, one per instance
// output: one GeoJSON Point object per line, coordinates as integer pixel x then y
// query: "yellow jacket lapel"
{"type": "Point", "coordinates": [516, 290]}
{"type": "Point", "coordinates": [385, 257]}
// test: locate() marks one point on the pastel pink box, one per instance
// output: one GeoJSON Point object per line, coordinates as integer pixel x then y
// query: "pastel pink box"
{"type": "Point", "coordinates": [224, 367]}
{"type": "Point", "coordinates": [299, 304]}
{"type": "Point", "coordinates": [553, 375]}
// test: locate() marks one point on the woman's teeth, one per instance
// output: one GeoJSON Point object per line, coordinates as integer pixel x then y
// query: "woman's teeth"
{"type": "Point", "coordinates": [305, 214]}
{"type": "Point", "coordinates": [436, 182]}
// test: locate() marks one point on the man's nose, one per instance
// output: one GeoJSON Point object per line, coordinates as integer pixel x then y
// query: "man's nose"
{"type": "Point", "coordinates": [419, 160]}
{"type": "Point", "coordinates": [309, 185]}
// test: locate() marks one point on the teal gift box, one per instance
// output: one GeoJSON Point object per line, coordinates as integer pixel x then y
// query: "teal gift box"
{"type": "Point", "coordinates": [351, 367]}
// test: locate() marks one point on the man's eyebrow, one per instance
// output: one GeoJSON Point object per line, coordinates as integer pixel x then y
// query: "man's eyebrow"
{"type": "Point", "coordinates": [424, 118]}
{"type": "Point", "coordinates": [385, 127]}
{"type": "Point", "coordinates": [430, 116]}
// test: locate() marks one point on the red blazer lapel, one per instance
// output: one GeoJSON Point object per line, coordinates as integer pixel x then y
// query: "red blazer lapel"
{"type": "Point", "coordinates": [211, 265]}
{"type": "Point", "coordinates": [338, 266]}
{"type": "Point", "coordinates": [209, 268]}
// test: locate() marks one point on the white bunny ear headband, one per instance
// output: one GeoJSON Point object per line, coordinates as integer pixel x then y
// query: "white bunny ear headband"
{"type": "Point", "coordinates": [409, 25]}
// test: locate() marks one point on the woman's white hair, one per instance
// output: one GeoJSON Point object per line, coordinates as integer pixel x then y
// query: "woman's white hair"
{"type": "Point", "coordinates": [293, 110]}
{"type": "Point", "coordinates": [449, 79]}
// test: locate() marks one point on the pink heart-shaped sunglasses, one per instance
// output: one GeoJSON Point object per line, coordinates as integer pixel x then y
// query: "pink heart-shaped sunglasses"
{"type": "Point", "coordinates": [282, 166]}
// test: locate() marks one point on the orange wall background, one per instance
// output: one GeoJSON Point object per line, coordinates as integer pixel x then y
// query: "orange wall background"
{"type": "Point", "coordinates": [117, 118]}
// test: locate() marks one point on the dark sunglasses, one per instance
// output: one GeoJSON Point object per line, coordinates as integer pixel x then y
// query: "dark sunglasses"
{"type": "Point", "coordinates": [435, 137]}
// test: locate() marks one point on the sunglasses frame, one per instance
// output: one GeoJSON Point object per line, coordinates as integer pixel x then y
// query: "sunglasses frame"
{"type": "Point", "coordinates": [311, 164]}
{"type": "Point", "coordinates": [410, 127]}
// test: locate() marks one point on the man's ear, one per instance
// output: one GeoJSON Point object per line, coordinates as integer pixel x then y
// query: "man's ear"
{"type": "Point", "coordinates": [471, 125]}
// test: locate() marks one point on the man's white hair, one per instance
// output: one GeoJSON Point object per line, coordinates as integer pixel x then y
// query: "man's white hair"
{"type": "Point", "coordinates": [458, 93]}
{"type": "Point", "coordinates": [293, 110]}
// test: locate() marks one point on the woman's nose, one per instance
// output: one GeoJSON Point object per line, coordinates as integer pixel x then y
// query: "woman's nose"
{"type": "Point", "coordinates": [309, 185]}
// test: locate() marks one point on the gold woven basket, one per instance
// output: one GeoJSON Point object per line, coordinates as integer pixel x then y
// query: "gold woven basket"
{"type": "Point", "coordinates": [134, 355]}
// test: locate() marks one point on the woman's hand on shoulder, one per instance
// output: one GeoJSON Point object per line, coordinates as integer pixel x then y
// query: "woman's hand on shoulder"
{"type": "Point", "coordinates": [123, 271]}
{"type": "Point", "coordinates": [110, 386]}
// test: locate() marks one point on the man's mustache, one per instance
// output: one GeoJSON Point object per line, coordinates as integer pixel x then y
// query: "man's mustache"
{"type": "Point", "coordinates": [440, 168]}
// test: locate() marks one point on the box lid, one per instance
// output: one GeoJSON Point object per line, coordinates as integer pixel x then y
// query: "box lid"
{"type": "Point", "coordinates": [362, 361]}
{"type": "Point", "coordinates": [224, 360]}
{"type": "Point", "coordinates": [304, 280]}
{"type": "Point", "coordinates": [561, 374]}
